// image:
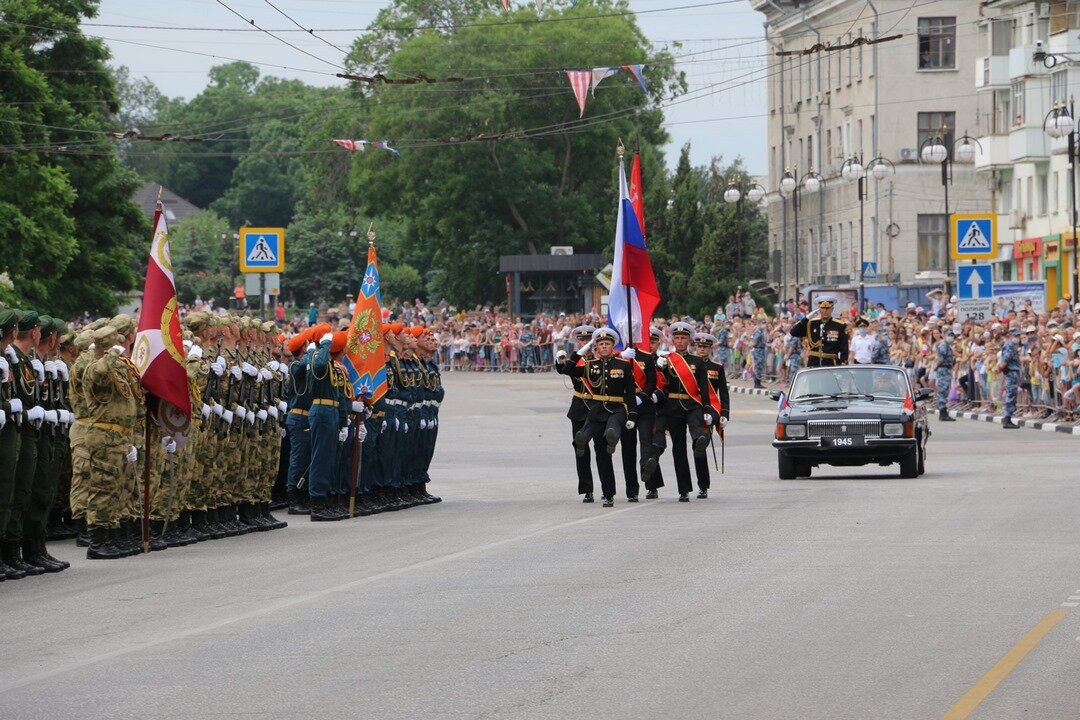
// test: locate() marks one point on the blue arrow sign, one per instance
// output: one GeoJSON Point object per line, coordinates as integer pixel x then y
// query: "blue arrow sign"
{"type": "Point", "coordinates": [975, 282]}
{"type": "Point", "coordinates": [869, 270]}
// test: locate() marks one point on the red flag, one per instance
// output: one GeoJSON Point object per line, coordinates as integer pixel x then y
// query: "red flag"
{"type": "Point", "coordinates": [635, 193]}
{"type": "Point", "coordinates": [158, 350]}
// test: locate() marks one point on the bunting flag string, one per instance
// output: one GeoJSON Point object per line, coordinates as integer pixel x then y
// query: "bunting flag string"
{"type": "Point", "coordinates": [580, 81]}
{"type": "Point", "coordinates": [599, 74]}
{"type": "Point", "coordinates": [636, 71]}
{"type": "Point", "coordinates": [584, 82]}
{"type": "Point", "coordinates": [506, 5]}
{"type": "Point", "coordinates": [361, 145]}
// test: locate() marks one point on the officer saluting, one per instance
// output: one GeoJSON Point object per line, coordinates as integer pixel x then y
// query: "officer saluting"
{"type": "Point", "coordinates": [578, 413]}
{"type": "Point", "coordinates": [684, 410]}
{"type": "Point", "coordinates": [826, 336]}
{"type": "Point", "coordinates": [608, 382]}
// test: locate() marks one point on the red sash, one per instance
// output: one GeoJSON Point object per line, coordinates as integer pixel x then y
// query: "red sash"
{"type": "Point", "coordinates": [639, 374]}
{"type": "Point", "coordinates": [717, 408]}
{"type": "Point", "coordinates": [686, 376]}
{"type": "Point", "coordinates": [585, 377]}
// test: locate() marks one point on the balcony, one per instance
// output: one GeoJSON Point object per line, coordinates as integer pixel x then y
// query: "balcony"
{"type": "Point", "coordinates": [1021, 63]}
{"type": "Point", "coordinates": [992, 72]}
{"type": "Point", "coordinates": [1028, 143]}
{"type": "Point", "coordinates": [995, 152]}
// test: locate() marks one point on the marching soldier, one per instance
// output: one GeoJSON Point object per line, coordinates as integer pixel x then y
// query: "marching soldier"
{"type": "Point", "coordinates": [12, 414]}
{"type": "Point", "coordinates": [684, 410]}
{"type": "Point", "coordinates": [608, 383]}
{"type": "Point", "coordinates": [826, 337]}
{"type": "Point", "coordinates": [326, 424]}
{"type": "Point", "coordinates": [649, 426]}
{"type": "Point", "coordinates": [703, 345]}
{"type": "Point", "coordinates": [578, 413]}
{"type": "Point", "coordinates": [426, 348]}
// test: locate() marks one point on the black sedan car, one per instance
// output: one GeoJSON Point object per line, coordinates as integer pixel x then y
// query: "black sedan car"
{"type": "Point", "coordinates": [851, 415]}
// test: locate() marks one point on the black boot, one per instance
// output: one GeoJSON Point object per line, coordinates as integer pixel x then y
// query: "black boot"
{"type": "Point", "coordinates": [64, 564]}
{"type": "Point", "coordinates": [157, 533]}
{"type": "Point", "coordinates": [701, 444]}
{"type": "Point", "coordinates": [246, 513]}
{"type": "Point", "coordinates": [434, 498]}
{"type": "Point", "coordinates": [588, 498]}
{"type": "Point", "coordinates": [1008, 424]}
{"type": "Point", "coordinates": [609, 502]}
{"type": "Point", "coordinates": [376, 501]}
{"type": "Point", "coordinates": [652, 494]}
{"type": "Point", "coordinates": [32, 554]}
{"type": "Point", "coordinates": [758, 385]}
{"type": "Point", "coordinates": [612, 437]}
{"type": "Point", "coordinates": [272, 522]}
{"type": "Point", "coordinates": [101, 545]}
{"type": "Point", "coordinates": [199, 526]}
{"type": "Point", "coordinates": [10, 573]}
{"type": "Point", "coordinates": [321, 512]}
{"type": "Point", "coordinates": [364, 507]}
{"type": "Point", "coordinates": [213, 528]}
{"type": "Point", "coordinates": [83, 538]}
{"type": "Point", "coordinates": [702, 494]}
{"type": "Point", "coordinates": [298, 503]}
{"type": "Point", "coordinates": [183, 524]}
{"type": "Point", "coordinates": [581, 442]}
{"type": "Point", "coordinates": [174, 536]}
{"type": "Point", "coordinates": [13, 557]}
{"type": "Point", "coordinates": [944, 416]}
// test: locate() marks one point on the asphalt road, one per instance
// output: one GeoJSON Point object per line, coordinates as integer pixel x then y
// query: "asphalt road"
{"type": "Point", "coordinates": [848, 595]}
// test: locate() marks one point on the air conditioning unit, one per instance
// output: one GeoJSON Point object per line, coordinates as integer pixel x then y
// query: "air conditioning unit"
{"type": "Point", "coordinates": [1017, 219]}
{"type": "Point", "coordinates": [1043, 9]}
{"type": "Point", "coordinates": [909, 155]}
{"type": "Point", "coordinates": [562, 249]}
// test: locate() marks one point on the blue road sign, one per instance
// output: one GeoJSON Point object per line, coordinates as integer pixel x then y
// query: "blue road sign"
{"type": "Point", "coordinates": [262, 250]}
{"type": "Point", "coordinates": [869, 270]}
{"type": "Point", "coordinates": [973, 236]}
{"type": "Point", "coordinates": [976, 282]}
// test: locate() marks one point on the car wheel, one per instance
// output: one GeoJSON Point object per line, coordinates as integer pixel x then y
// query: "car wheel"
{"type": "Point", "coordinates": [785, 466]}
{"type": "Point", "coordinates": [802, 469]}
{"type": "Point", "coordinates": [922, 459]}
{"type": "Point", "coordinates": [909, 464]}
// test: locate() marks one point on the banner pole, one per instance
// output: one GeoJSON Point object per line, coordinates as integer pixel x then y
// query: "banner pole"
{"type": "Point", "coordinates": [146, 486]}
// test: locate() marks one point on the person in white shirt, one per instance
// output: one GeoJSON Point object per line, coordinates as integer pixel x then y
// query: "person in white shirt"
{"type": "Point", "coordinates": [863, 344]}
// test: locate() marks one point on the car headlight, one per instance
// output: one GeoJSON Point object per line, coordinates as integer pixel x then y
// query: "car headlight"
{"type": "Point", "coordinates": [795, 431]}
{"type": "Point", "coordinates": [892, 429]}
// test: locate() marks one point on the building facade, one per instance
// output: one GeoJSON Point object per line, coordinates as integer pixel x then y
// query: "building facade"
{"type": "Point", "coordinates": [1028, 66]}
{"type": "Point", "coordinates": [835, 98]}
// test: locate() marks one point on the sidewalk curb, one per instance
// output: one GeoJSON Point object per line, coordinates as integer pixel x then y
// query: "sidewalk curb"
{"type": "Point", "coordinates": [984, 417]}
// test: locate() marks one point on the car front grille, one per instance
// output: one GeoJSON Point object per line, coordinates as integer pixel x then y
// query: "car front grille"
{"type": "Point", "coordinates": [843, 428]}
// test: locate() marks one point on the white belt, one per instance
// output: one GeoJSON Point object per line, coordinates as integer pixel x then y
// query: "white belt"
{"type": "Point", "coordinates": [395, 402]}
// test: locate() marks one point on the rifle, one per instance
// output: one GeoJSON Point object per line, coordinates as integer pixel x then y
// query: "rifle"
{"type": "Point", "coordinates": [7, 391]}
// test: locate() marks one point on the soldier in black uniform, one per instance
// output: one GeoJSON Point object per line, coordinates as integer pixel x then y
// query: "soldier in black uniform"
{"type": "Point", "coordinates": [608, 384]}
{"type": "Point", "coordinates": [683, 410]}
{"type": "Point", "coordinates": [704, 343]}
{"type": "Point", "coordinates": [650, 430]}
{"type": "Point", "coordinates": [826, 336]}
{"type": "Point", "coordinates": [577, 413]}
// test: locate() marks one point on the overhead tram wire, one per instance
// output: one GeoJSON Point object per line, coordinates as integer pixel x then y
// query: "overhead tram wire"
{"type": "Point", "coordinates": [307, 30]}
{"type": "Point", "coordinates": [299, 49]}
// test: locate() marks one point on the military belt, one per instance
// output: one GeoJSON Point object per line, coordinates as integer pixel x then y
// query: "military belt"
{"type": "Point", "coordinates": [606, 398]}
{"type": "Point", "coordinates": [680, 396]}
{"type": "Point", "coordinates": [376, 416]}
{"type": "Point", "coordinates": [396, 402]}
{"type": "Point", "coordinates": [298, 411]}
{"type": "Point", "coordinates": [103, 425]}
{"type": "Point", "coordinates": [827, 356]}
{"type": "Point", "coordinates": [324, 401]}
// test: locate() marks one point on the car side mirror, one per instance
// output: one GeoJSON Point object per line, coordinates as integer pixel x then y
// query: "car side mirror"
{"type": "Point", "coordinates": [923, 394]}
{"type": "Point", "coordinates": [775, 394]}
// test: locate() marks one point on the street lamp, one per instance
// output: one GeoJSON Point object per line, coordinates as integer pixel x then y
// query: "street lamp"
{"type": "Point", "coordinates": [790, 185]}
{"type": "Point", "coordinates": [734, 194]}
{"type": "Point", "coordinates": [1059, 123]}
{"type": "Point", "coordinates": [936, 150]}
{"type": "Point", "coordinates": [854, 171]}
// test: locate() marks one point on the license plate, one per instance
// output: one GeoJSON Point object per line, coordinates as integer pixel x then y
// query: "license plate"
{"type": "Point", "coordinates": [844, 441]}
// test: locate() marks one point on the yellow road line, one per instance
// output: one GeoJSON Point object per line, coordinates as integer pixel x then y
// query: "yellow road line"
{"type": "Point", "coordinates": [1008, 662]}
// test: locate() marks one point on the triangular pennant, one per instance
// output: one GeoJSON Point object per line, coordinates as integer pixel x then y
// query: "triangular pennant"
{"type": "Point", "coordinates": [579, 81]}
{"type": "Point", "coordinates": [506, 5]}
{"type": "Point", "coordinates": [636, 71]}
{"type": "Point", "coordinates": [539, 6]}
{"type": "Point", "coordinates": [598, 75]}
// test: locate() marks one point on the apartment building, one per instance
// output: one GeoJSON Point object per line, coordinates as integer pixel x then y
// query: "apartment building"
{"type": "Point", "coordinates": [834, 99]}
{"type": "Point", "coordinates": [1026, 75]}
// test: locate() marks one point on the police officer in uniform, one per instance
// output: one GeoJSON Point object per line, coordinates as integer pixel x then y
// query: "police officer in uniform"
{"type": "Point", "coordinates": [609, 387]}
{"type": "Point", "coordinates": [1009, 364]}
{"type": "Point", "coordinates": [682, 409]}
{"type": "Point", "coordinates": [943, 375]}
{"type": "Point", "coordinates": [578, 413]}
{"type": "Point", "coordinates": [760, 345]}
{"type": "Point", "coordinates": [826, 337]}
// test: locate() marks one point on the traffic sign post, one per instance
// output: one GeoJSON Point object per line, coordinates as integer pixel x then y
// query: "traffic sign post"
{"type": "Point", "coordinates": [975, 292]}
{"type": "Point", "coordinates": [869, 270]}
{"type": "Point", "coordinates": [262, 250]}
{"type": "Point", "coordinates": [973, 236]}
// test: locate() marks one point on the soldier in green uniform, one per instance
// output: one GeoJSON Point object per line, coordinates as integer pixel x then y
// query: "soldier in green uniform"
{"type": "Point", "coordinates": [12, 412]}
{"type": "Point", "coordinates": [61, 525]}
{"type": "Point", "coordinates": [826, 336]}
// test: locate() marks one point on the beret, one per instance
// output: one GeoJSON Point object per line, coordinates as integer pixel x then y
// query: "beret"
{"type": "Point", "coordinates": [338, 343]}
{"type": "Point", "coordinates": [29, 320]}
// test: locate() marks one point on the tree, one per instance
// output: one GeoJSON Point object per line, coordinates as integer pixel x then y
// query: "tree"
{"type": "Point", "coordinates": [203, 253]}
{"type": "Point", "coordinates": [681, 232]}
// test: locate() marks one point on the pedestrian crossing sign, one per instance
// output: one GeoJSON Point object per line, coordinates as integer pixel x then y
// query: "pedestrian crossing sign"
{"type": "Point", "coordinates": [973, 236]}
{"type": "Point", "coordinates": [262, 250]}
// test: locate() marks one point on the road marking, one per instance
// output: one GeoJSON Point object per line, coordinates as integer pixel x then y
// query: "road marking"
{"type": "Point", "coordinates": [286, 603]}
{"type": "Point", "coordinates": [1070, 604]}
{"type": "Point", "coordinates": [1008, 662]}
{"type": "Point", "coordinates": [1074, 597]}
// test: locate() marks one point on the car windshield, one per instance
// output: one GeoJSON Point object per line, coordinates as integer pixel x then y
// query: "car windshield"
{"type": "Point", "coordinates": [850, 382]}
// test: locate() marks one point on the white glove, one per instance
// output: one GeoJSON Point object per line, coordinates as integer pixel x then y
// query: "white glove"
{"type": "Point", "coordinates": [326, 339]}
{"type": "Point", "coordinates": [310, 347]}
{"type": "Point", "coordinates": [272, 410]}
{"type": "Point", "coordinates": [662, 361]}
{"type": "Point", "coordinates": [227, 416]}
{"type": "Point", "coordinates": [707, 418]}
{"type": "Point", "coordinates": [361, 432]}
{"type": "Point", "coordinates": [264, 375]}
{"type": "Point", "coordinates": [383, 428]}
{"type": "Point", "coordinates": [628, 354]}
{"type": "Point", "coordinates": [169, 444]}
{"type": "Point", "coordinates": [654, 399]}
{"type": "Point", "coordinates": [217, 369]}
{"type": "Point", "coordinates": [813, 315]}
{"type": "Point", "coordinates": [283, 407]}
{"type": "Point", "coordinates": [50, 368]}
{"type": "Point", "coordinates": [250, 418]}
{"type": "Point", "coordinates": [132, 454]}
{"type": "Point", "coordinates": [4, 368]}
{"type": "Point", "coordinates": [397, 424]}
{"type": "Point", "coordinates": [273, 365]}
{"type": "Point", "coordinates": [205, 411]}
{"type": "Point", "coordinates": [241, 412]}
{"type": "Point", "coordinates": [35, 415]}
{"type": "Point", "coordinates": [236, 373]}
{"type": "Point", "coordinates": [629, 424]}
{"type": "Point", "coordinates": [586, 348]}
{"type": "Point", "coordinates": [62, 368]}
{"type": "Point", "coordinates": [663, 353]}
{"type": "Point", "coordinates": [220, 361]}
{"type": "Point", "coordinates": [282, 431]}
{"type": "Point", "coordinates": [51, 417]}
{"type": "Point", "coordinates": [218, 410]}
{"type": "Point", "coordinates": [560, 357]}
{"type": "Point", "coordinates": [357, 406]}
{"type": "Point", "coordinates": [12, 355]}
{"type": "Point", "coordinates": [261, 415]}
{"type": "Point", "coordinates": [66, 417]}
{"type": "Point", "coordinates": [16, 406]}
{"type": "Point", "coordinates": [249, 369]}
{"type": "Point", "coordinates": [406, 427]}
{"type": "Point", "coordinates": [195, 353]}
{"type": "Point", "coordinates": [637, 399]}
{"type": "Point", "coordinates": [117, 349]}
{"type": "Point", "coordinates": [39, 369]}
{"type": "Point", "coordinates": [723, 421]}
{"type": "Point", "coordinates": [3, 418]}
{"type": "Point", "coordinates": [343, 434]}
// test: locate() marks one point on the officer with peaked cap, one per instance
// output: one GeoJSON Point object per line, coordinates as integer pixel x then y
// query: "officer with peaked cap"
{"type": "Point", "coordinates": [826, 336]}
{"type": "Point", "coordinates": [608, 384]}
{"type": "Point", "coordinates": [578, 412]}
{"type": "Point", "coordinates": [685, 408]}
{"type": "Point", "coordinates": [12, 413]}
{"type": "Point", "coordinates": [704, 343]}
{"type": "Point", "coordinates": [649, 426]}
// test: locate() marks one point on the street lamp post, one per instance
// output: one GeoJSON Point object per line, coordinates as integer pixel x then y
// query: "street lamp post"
{"type": "Point", "coordinates": [1059, 123]}
{"type": "Point", "coordinates": [790, 185]}
{"type": "Point", "coordinates": [854, 170]}
{"type": "Point", "coordinates": [734, 194]}
{"type": "Point", "coordinates": [936, 150]}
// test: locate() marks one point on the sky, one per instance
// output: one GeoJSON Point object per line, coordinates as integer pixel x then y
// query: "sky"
{"type": "Point", "coordinates": [722, 44]}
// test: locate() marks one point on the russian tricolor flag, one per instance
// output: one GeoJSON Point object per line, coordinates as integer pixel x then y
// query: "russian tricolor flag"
{"type": "Point", "coordinates": [633, 296]}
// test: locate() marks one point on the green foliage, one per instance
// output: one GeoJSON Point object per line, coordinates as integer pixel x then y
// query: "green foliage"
{"type": "Point", "coordinates": [400, 281]}
{"type": "Point", "coordinates": [204, 256]}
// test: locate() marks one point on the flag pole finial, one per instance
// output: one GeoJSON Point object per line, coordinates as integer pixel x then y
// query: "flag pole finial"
{"type": "Point", "coordinates": [160, 189]}
{"type": "Point", "coordinates": [371, 234]}
{"type": "Point", "coordinates": [620, 149]}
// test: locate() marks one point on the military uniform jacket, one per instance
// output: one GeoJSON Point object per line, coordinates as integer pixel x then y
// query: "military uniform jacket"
{"type": "Point", "coordinates": [826, 339]}
{"type": "Point", "coordinates": [578, 411]}
{"type": "Point", "coordinates": [609, 386]}
{"type": "Point", "coordinates": [677, 395]}
{"type": "Point", "coordinates": [945, 358]}
{"type": "Point", "coordinates": [718, 380]}
{"type": "Point", "coordinates": [1010, 357]}
{"type": "Point", "coordinates": [646, 362]}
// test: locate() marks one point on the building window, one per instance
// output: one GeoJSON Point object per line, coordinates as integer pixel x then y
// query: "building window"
{"type": "Point", "coordinates": [858, 59]}
{"type": "Point", "coordinates": [1055, 191]}
{"type": "Point", "coordinates": [827, 160]}
{"type": "Point", "coordinates": [810, 152]}
{"type": "Point", "coordinates": [1059, 87]}
{"type": "Point", "coordinates": [850, 64]}
{"type": "Point", "coordinates": [933, 241]}
{"type": "Point", "coordinates": [937, 43]}
{"type": "Point", "coordinates": [933, 124]}
{"type": "Point", "coordinates": [1016, 103]}
{"type": "Point", "coordinates": [1001, 119]}
{"type": "Point", "coordinates": [1040, 193]}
